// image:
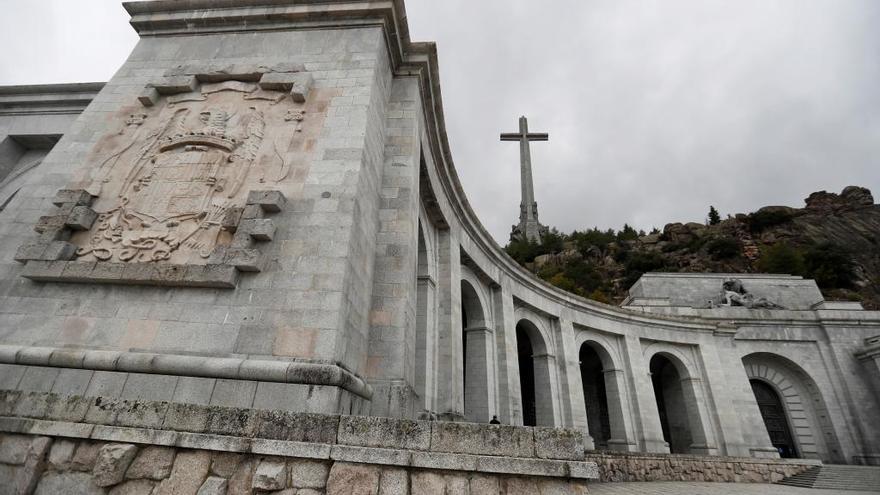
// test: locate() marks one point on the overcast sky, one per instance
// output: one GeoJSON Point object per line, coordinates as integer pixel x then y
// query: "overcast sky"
{"type": "Point", "coordinates": [655, 109]}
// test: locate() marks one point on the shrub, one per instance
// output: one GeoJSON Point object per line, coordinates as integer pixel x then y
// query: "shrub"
{"type": "Point", "coordinates": [782, 258]}
{"type": "Point", "coordinates": [830, 265]}
{"type": "Point", "coordinates": [723, 248]}
{"type": "Point", "coordinates": [762, 219]}
{"type": "Point", "coordinates": [714, 217]}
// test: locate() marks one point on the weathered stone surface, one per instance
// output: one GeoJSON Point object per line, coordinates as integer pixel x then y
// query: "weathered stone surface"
{"type": "Point", "coordinates": [27, 476]}
{"type": "Point", "coordinates": [85, 456]}
{"type": "Point", "coordinates": [134, 487]}
{"type": "Point", "coordinates": [112, 461]}
{"type": "Point", "coordinates": [214, 485]}
{"type": "Point", "coordinates": [268, 201]}
{"type": "Point", "coordinates": [189, 472]}
{"type": "Point", "coordinates": [394, 482]}
{"type": "Point", "coordinates": [367, 431]}
{"type": "Point", "coordinates": [69, 483]}
{"type": "Point", "coordinates": [427, 483]}
{"type": "Point", "coordinates": [13, 448]}
{"type": "Point", "coordinates": [224, 464]}
{"type": "Point", "coordinates": [270, 475]}
{"type": "Point", "coordinates": [470, 438]}
{"type": "Point", "coordinates": [61, 453]}
{"type": "Point", "coordinates": [298, 427]}
{"type": "Point", "coordinates": [241, 480]}
{"type": "Point", "coordinates": [484, 484]}
{"type": "Point", "coordinates": [519, 486]}
{"type": "Point", "coordinates": [353, 479]}
{"type": "Point", "coordinates": [558, 443]}
{"type": "Point", "coordinates": [308, 474]}
{"type": "Point", "coordinates": [152, 462]}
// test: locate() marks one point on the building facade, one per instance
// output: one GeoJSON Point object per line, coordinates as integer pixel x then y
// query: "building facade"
{"type": "Point", "coordinates": [260, 210]}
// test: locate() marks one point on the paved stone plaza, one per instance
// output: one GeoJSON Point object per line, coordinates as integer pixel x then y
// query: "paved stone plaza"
{"type": "Point", "coordinates": [256, 228]}
{"type": "Point", "coordinates": [681, 488]}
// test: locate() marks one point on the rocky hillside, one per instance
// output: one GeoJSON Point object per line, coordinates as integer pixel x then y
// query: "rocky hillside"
{"type": "Point", "coordinates": [834, 239]}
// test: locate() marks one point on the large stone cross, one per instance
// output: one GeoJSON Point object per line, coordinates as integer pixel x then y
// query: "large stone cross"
{"type": "Point", "coordinates": [529, 227]}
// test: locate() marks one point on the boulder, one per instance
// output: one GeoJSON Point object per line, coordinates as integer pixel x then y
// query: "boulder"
{"type": "Point", "coordinates": [859, 196]}
{"type": "Point", "coordinates": [152, 462]}
{"type": "Point", "coordinates": [270, 475]}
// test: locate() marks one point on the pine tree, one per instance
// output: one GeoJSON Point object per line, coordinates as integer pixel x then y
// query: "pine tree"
{"type": "Point", "coordinates": [714, 217]}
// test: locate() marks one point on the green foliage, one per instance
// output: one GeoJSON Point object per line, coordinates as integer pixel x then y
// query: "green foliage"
{"type": "Point", "coordinates": [637, 263]}
{"type": "Point", "coordinates": [830, 265]}
{"type": "Point", "coordinates": [593, 237]}
{"type": "Point", "coordinates": [782, 258]}
{"type": "Point", "coordinates": [714, 217]}
{"type": "Point", "coordinates": [627, 233]}
{"type": "Point", "coordinates": [760, 220]}
{"type": "Point", "coordinates": [723, 248]}
{"type": "Point", "coordinates": [523, 251]}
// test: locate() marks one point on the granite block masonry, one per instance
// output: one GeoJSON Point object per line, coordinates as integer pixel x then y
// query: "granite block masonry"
{"type": "Point", "coordinates": [252, 241]}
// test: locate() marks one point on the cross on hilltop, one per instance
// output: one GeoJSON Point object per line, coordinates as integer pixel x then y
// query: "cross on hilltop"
{"type": "Point", "coordinates": [528, 228]}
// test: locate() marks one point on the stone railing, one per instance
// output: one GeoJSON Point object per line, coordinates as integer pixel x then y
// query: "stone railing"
{"type": "Point", "coordinates": [99, 442]}
{"type": "Point", "coordinates": [617, 466]}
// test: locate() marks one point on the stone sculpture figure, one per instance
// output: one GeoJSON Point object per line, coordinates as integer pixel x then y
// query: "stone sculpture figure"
{"type": "Point", "coordinates": [734, 294]}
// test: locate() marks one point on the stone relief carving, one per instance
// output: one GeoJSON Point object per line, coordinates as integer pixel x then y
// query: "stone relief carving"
{"type": "Point", "coordinates": [171, 177]}
{"type": "Point", "coordinates": [733, 294]}
{"type": "Point", "coordinates": [178, 194]}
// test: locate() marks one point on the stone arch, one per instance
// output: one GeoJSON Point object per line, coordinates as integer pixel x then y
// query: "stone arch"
{"type": "Point", "coordinates": [535, 374]}
{"type": "Point", "coordinates": [803, 404]}
{"type": "Point", "coordinates": [426, 358]}
{"type": "Point", "coordinates": [604, 394]}
{"type": "Point", "coordinates": [681, 405]}
{"type": "Point", "coordinates": [477, 358]}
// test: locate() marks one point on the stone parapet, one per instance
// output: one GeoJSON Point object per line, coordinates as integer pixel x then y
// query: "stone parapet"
{"type": "Point", "coordinates": [669, 467]}
{"type": "Point", "coordinates": [491, 449]}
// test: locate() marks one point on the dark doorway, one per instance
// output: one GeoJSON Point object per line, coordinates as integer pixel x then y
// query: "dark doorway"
{"type": "Point", "coordinates": [526, 376]}
{"type": "Point", "coordinates": [671, 404]}
{"type": "Point", "coordinates": [775, 418]}
{"type": "Point", "coordinates": [595, 398]}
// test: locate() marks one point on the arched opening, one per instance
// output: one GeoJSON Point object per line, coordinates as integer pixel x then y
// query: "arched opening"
{"type": "Point", "coordinates": [475, 358]}
{"type": "Point", "coordinates": [526, 377]}
{"type": "Point", "coordinates": [775, 418]}
{"type": "Point", "coordinates": [671, 404]}
{"type": "Point", "coordinates": [800, 405]}
{"type": "Point", "coordinates": [534, 376]}
{"type": "Point", "coordinates": [595, 395]}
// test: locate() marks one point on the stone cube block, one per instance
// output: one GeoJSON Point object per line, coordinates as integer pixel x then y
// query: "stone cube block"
{"type": "Point", "coordinates": [80, 218]}
{"type": "Point", "coordinates": [471, 438]}
{"type": "Point", "coordinates": [244, 259]}
{"type": "Point", "coordinates": [559, 443]}
{"type": "Point", "coordinates": [231, 219]}
{"type": "Point", "coordinates": [30, 251]}
{"type": "Point", "coordinates": [77, 197]}
{"type": "Point", "coordinates": [269, 201]}
{"type": "Point", "coordinates": [149, 96]}
{"type": "Point", "coordinates": [175, 84]}
{"type": "Point", "coordinates": [364, 431]}
{"type": "Point", "coordinates": [259, 229]}
{"type": "Point", "coordinates": [59, 250]}
{"type": "Point", "coordinates": [302, 84]}
{"type": "Point", "coordinates": [279, 81]}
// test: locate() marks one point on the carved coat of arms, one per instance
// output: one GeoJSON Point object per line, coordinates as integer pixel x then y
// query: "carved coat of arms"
{"type": "Point", "coordinates": [165, 182]}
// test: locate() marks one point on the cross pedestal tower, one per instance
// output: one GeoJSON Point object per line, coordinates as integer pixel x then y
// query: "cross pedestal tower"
{"type": "Point", "coordinates": [528, 227]}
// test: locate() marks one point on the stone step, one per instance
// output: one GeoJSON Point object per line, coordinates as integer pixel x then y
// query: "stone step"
{"type": "Point", "coordinates": [837, 477]}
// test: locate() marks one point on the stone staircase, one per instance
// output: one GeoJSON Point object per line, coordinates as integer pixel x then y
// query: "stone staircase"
{"type": "Point", "coordinates": [837, 477]}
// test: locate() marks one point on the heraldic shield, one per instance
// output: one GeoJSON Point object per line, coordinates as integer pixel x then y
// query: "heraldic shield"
{"type": "Point", "coordinates": [174, 181]}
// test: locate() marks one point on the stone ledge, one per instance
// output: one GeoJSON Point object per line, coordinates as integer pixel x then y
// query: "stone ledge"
{"type": "Point", "coordinates": [105, 272]}
{"type": "Point", "coordinates": [305, 450]}
{"type": "Point", "coordinates": [362, 437]}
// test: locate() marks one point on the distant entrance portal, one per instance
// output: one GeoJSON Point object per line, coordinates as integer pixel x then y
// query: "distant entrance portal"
{"type": "Point", "coordinates": [775, 418]}
{"type": "Point", "coordinates": [526, 376]}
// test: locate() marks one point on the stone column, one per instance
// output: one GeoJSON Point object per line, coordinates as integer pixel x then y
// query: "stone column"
{"type": "Point", "coordinates": [426, 342]}
{"type": "Point", "coordinates": [649, 431]}
{"type": "Point", "coordinates": [479, 407]}
{"type": "Point", "coordinates": [545, 392]}
{"type": "Point", "coordinates": [619, 414]}
{"type": "Point", "coordinates": [699, 423]}
{"type": "Point", "coordinates": [509, 394]}
{"type": "Point", "coordinates": [450, 394]}
{"type": "Point", "coordinates": [572, 393]}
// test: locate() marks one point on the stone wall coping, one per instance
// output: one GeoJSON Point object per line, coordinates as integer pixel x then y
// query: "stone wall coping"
{"type": "Point", "coordinates": [299, 372]}
{"type": "Point", "coordinates": [698, 458]}
{"type": "Point", "coordinates": [247, 425]}
{"type": "Point", "coordinates": [138, 422]}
